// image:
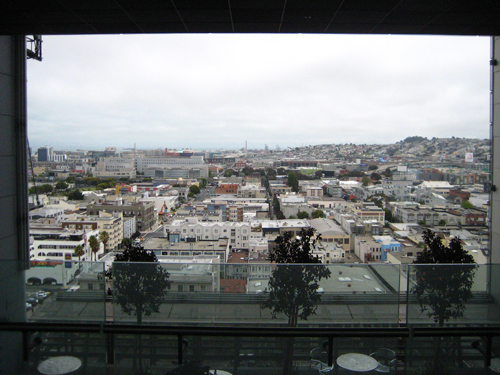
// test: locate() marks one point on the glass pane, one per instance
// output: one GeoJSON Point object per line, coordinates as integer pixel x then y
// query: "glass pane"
{"type": "Point", "coordinates": [450, 294]}
{"type": "Point", "coordinates": [66, 291]}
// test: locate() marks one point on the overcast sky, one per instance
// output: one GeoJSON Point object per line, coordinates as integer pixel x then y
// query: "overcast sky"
{"type": "Point", "coordinates": [218, 91]}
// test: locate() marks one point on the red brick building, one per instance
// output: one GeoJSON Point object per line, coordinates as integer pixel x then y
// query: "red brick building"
{"type": "Point", "coordinates": [227, 189]}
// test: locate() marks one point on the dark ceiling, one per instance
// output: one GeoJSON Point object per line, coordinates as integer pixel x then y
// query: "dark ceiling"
{"type": "Point", "coordinates": [441, 17]}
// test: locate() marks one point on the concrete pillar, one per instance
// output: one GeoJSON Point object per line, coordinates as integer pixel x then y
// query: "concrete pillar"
{"type": "Point", "coordinates": [14, 245]}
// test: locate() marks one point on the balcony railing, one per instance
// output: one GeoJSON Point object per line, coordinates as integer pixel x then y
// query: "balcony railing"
{"type": "Point", "coordinates": [132, 349]}
{"type": "Point", "coordinates": [138, 320]}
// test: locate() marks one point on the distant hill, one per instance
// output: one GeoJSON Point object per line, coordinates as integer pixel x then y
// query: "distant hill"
{"type": "Point", "coordinates": [414, 139]}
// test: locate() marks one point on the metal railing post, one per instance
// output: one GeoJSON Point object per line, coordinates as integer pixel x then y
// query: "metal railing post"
{"type": "Point", "coordinates": [110, 348]}
{"type": "Point", "coordinates": [179, 349]}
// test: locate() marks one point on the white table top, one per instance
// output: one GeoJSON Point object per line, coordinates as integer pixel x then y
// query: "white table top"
{"type": "Point", "coordinates": [59, 365]}
{"type": "Point", "coordinates": [220, 372]}
{"type": "Point", "coordinates": [357, 362]}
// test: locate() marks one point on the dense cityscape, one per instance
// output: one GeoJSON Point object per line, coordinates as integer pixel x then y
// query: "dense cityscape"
{"type": "Point", "coordinates": [370, 203]}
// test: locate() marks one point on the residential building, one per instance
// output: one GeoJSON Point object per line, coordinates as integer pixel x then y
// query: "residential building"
{"type": "Point", "coordinates": [191, 229]}
{"type": "Point", "coordinates": [144, 212]}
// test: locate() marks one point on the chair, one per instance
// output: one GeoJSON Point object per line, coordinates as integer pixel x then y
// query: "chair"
{"type": "Point", "coordinates": [316, 357]}
{"type": "Point", "coordinates": [326, 369]}
{"type": "Point", "coordinates": [386, 359]}
{"type": "Point", "coordinates": [316, 362]}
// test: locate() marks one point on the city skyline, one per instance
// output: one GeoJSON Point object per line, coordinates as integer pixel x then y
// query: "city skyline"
{"type": "Point", "coordinates": [218, 91]}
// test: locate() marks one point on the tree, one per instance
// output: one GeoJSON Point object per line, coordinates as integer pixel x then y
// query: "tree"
{"type": "Point", "coordinates": [140, 285]}
{"type": "Point", "coordinates": [61, 185]}
{"type": "Point", "coordinates": [104, 238]}
{"type": "Point", "coordinates": [442, 222]}
{"type": "Point", "coordinates": [293, 286]}
{"type": "Point", "coordinates": [139, 288]}
{"type": "Point", "coordinates": [293, 181]}
{"type": "Point", "coordinates": [75, 195]}
{"type": "Point", "coordinates": [467, 205]}
{"type": "Point", "coordinates": [302, 215]}
{"type": "Point", "coordinates": [365, 180]}
{"type": "Point", "coordinates": [79, 252]}
{"type": "Point", "coordinates": [94, 245]}
{"type": "Point", "coordinates": [443, 290]}
{"type": "Point", "coordinates": [126, 242]}
{"type": "Point", "coordinates": [372, 168]}
{"type": "Point", "coordinates": [194, 189]}
{"type": "Point", "coordinates": [317, 214]}
{"type": "Point", "coordinates": [102, 186]}
{"type": "Point", "coordinates": [228, 173]}
{"type": "Point", "coordinates": [42, 189]}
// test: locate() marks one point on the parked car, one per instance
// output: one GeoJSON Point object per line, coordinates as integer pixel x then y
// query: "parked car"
{"type": "Point", "coordinates": [41, 295]}
{"type": "Point", "coordinates": [32, 300]}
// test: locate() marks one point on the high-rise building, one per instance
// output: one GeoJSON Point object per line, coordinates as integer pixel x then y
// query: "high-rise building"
{"type": "Point", "coordinates": [45, 153]}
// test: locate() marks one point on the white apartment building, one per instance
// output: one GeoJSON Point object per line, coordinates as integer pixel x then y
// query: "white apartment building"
{"type": "Point", "coordinates": [56, 244]}
{"type": "Point", "coordinates": [238, 233]}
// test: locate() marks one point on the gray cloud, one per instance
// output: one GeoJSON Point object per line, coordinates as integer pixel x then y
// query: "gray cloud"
{"type": "Point", "coordinates": [208, 91]}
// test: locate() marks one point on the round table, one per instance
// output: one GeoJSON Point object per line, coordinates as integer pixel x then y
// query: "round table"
{"type": "Point", "coordinates": [220, 372]}
{"type": "Point", "coordinates": [59, 365]}
{"type": "Point", "coordinates": [357, 362]}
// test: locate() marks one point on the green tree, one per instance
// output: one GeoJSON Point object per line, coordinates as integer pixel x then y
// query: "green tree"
{"type": "Point", "coordinates": [140, 285]}
{"type": "Point", "coordinates": [467, 205]}
{"type": "Point", "coordinates": [61, 185]}
{"type": "Point", "coordinates": [293, 286]}
{"type": "Point", "coordinates": [42, 189]}
{"type": "Point", "coordinates": [228, 173]}
{"type": "Point", "coordinates": [302, 215]}
{"type": "Point", "coordinates": [94, 246]}
{"type": "Point", "coordinates": [194, 189]}
{"type": "Point", "coordinates": [444, 276]}
{"type": "Point", "coordinates": [317, 214]}
{"type": "Point", "coordinates": [75, 195]}
{"type": "Point", "coordinates": [365, 180]}
{"type": "Point", "coordinates": [102, 186]}
{"type": "Point", "coordinates": [126, 242]}
{"type": "Point", "coordinates": [372, 168]}
{"type": "Point", "coordinates": [104, 238]}
{"type": "Point", "coordinates": [442, 222]}
{"type": "Point", "coordinates": [79, 252]}
{"type": "Point", "coordinates": [139, 288]}
{"type": "Point", "coordinates": [293, 181]}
